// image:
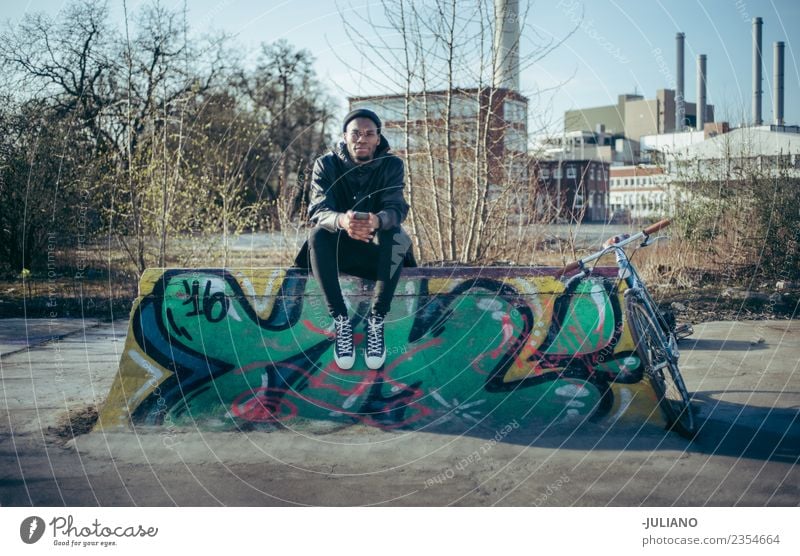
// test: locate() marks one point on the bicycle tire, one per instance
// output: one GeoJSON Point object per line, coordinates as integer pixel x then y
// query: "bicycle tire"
{"type": "Point", "coordinates": [661, 367]}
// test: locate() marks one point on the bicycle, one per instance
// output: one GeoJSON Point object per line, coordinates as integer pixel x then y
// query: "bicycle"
{"type": "Point", "coordinates": [656, 341]}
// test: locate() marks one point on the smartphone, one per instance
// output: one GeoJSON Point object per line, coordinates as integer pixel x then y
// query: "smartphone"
{"type": "Point", "coordinates": [361, 215]}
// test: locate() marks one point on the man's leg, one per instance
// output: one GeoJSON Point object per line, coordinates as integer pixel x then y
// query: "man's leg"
{"type": "Point", "coordinates": [392, 248]}
{"type": "Point", "coordinates": [323, 248]}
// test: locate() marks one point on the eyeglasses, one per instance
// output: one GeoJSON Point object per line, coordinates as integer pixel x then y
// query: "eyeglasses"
{"type": "Point", "coordinates": [355, 134]}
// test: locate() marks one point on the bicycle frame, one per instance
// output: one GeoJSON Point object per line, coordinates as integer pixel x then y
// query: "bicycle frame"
{"type": "Point", "coordinates": [628, 273]}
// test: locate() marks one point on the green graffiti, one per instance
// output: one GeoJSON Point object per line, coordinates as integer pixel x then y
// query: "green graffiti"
{"type": "Point", "coordinates": [208, 348]}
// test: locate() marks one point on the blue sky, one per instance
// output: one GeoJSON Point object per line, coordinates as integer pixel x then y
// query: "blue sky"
{"type": "Point", "coordinates": [621, 46]}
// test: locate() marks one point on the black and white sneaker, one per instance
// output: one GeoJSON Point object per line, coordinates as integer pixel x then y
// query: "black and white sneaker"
{"type": "Point", "coordinates": [343, 351]}
{"type": "Point", "coordinates": [376, 347]}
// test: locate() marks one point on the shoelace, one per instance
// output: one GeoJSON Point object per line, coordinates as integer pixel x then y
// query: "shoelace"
{"type": "Point", "coordinates": [375, 335]}
{"type": "Point", "coordinates": [344, 335]}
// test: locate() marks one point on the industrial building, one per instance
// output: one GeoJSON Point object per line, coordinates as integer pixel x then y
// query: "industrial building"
{"type": "Point", "coordinates": [634, 116]}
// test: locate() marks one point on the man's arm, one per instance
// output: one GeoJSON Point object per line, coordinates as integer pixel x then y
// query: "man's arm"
{"type": "Point", "coordinates": [322, 206]}
{"type": "Point", "coordinates": [394, 208]}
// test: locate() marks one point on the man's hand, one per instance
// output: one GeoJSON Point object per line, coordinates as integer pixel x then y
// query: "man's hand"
{"type": "Point", "coordinates": [362, 230]}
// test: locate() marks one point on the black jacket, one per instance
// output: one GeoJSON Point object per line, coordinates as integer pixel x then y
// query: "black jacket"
{"type": "Point", "coordinates": [338, 184]}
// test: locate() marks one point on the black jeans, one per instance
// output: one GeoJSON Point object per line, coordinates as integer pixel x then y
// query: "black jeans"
{"type": "Point", "coordinates": [333, 252]}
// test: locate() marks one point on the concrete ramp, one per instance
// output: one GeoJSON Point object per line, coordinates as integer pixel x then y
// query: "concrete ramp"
{"type": "Point", "coordinates": [468, 349]}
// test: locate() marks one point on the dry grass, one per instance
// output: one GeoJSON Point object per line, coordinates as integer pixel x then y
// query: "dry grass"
{"type": "Point", "coordinates": [108, 284]}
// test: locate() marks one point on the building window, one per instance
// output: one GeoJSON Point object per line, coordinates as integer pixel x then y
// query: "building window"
{"type": "Point", "coordinates": [571, 172]}
{"type": "Point", "coordinates": [396, 137]}
{"type": "Point", "coordinates": [557, 173]}
{"type": "Point", "coordinates": [465, 106]}
{"type": "Point", "coordinates": [515, 111]}
{"type": "Point", "coordinates": [544, 172]}
{"type": "Point", "coordinates": [515, 140]}
{"type": "Point", "coordinates": [591, 173]}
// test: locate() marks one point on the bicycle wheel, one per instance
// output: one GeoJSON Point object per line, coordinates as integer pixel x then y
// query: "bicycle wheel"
{"type": "Point", "coordinates": [661, 367]}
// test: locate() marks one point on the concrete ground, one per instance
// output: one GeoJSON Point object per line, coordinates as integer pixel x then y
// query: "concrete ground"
{"type": "Point", "coordinates": [745, 377]}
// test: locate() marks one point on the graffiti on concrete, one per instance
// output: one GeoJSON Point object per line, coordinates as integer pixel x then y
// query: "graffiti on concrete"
{"type": "Point", "coordinates": [221, 348]}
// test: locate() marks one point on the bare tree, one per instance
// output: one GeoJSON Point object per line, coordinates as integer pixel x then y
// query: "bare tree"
{"type": "Point", "coordinates": [438, 58]}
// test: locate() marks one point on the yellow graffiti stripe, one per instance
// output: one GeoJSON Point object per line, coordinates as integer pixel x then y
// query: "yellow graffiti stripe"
{"type": "Point", "coordinates": [442, 285]}
{"type": "Point", "coordinates": [148, 280]}
{"type": "Point", "coordinates": [260, 287]}
{"type": "Point", "coordinates": [134, 382]}
{"type": "Point", "coordinates": [536, 285]}
{"type": "Point", "coordinates": [635, 403]}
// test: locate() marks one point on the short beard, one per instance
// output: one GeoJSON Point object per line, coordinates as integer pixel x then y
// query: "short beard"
{"type": "Point", "coordinates": [365, 158]}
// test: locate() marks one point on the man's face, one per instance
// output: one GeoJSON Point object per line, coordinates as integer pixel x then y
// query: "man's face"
{"type": "Point", "coordinates": [362, 138]}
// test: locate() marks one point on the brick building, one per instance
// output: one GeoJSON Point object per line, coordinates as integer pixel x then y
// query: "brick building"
{"type": "Point", "coordinates": [576, 189]}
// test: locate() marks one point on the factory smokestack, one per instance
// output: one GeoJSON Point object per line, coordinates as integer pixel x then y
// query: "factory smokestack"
{"type": "Point", "coordinates": [680, 106]}
{"type": "Point", "coordinates": [506, 44]}
{"type": "Point", "coordinates": [757, 22]}
{"type": "Point", "coordinates": [777, 79]}
{"type": "Point", "coordinates": [701, 91]}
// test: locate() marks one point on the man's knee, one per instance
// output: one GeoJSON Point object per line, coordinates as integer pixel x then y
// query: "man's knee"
{"type": "Point", "coordinates": [319, 239]}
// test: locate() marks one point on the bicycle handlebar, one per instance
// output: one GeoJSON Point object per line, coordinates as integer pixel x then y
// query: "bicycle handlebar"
{"type": "Point", "coordinates": [657, 226]}
{"type": "Point", "coordinates": [617, 243]}
{"type": "Point", "coordinates": [571, 266]}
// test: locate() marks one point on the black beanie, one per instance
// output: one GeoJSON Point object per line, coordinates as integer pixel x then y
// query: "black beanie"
{"type": "Point", "coordinates": [361, 113]}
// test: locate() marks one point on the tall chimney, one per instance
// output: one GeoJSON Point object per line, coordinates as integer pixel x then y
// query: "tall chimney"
{"type": "Point", "coordinates": [680, 106]}
{"type": "Point", "coordinates": [506, 44]}
{"type": "Point", "coordinates": [701, 91]}
{"type": "Point", "coordinates": [777, 79]}
{"type": "Point", "coordinates": [757, 22]}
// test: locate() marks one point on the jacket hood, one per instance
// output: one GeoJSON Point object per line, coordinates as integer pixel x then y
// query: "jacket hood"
{"type": "Point", "coordinates": [344, 155]}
